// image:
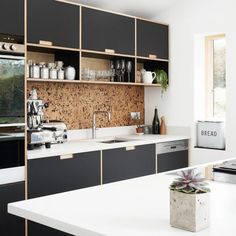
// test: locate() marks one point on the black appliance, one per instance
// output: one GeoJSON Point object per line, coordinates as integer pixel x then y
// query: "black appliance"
{"type": "Point", "coordinates": [12, 70]}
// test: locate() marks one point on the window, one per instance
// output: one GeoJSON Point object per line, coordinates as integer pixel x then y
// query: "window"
{"type": "Point", "coordinates": [215, 77]}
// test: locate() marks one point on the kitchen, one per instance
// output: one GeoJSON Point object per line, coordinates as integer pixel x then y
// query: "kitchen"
{"type": "Point", "coordinates": [85, 78]}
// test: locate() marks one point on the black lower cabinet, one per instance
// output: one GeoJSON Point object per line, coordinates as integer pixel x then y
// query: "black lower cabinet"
{"type": "Point", "coordinates": [11, 225]}
{"type": "Point", "coordinates": [35, 229]}
{"type": "Point", "coordinates": [53, 175]}
{"type": "Point", "coordinates": [125, 163]}
{"type": "Point", "coordinates": [172, 161]}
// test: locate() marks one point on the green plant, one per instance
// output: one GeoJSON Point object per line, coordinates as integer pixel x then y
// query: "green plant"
{"type": "Point", "coordinates": [162, 79]}
{"type": "Point", "coordinates": [190, 182]}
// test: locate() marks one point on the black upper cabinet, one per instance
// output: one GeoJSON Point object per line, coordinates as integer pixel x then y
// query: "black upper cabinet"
{"type": "Point", "coordinates": [11, 225]}
{"type": "Point", "coordinates": [52, 175]}
{"type": "Point", "coordinates": [53, 21]}
{"type": "Point", "coordinates": [12, 17]}
{"type": "Point", "coordinates": [152, 39]}
{"type": "Point", "coordinates": [102, 30]}
{"type": "Point", "coordinates": [121, 163]}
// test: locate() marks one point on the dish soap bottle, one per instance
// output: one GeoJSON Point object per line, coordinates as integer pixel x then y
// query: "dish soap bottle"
{"type": "Point", "coordinates": [156, 123]}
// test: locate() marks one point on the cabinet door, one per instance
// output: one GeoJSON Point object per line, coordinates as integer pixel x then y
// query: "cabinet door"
{"type": "Point", "coordinates": [122, 163]}
{"type": "Point", "coordinates": [172, 161]}
{"type": "Point", "coordinates": [152, 39]}
{"type": "Point", "coordinates": [10, 224]}
{"type": "Point", "coordinates": [35, 229]}
{"type": "Point", "coordinates": [52, 175]}
{"type": "Point", "coordinates": [102, 30]}
{"type": "Point", "coordinates": [53, 21]}
{"type": "Point", "coordinates": [12, 17]}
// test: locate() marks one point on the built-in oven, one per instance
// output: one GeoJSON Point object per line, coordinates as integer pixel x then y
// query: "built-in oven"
{"type": "Point", "coordinates": [12, 70]}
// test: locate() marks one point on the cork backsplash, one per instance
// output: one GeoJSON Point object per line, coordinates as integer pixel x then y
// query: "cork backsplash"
{"type": "Point", "coordinates": [74, 103]}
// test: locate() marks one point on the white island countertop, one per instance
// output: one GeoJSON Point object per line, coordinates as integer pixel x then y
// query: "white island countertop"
{"type": "Point", "coordinates": [137, 207]}
{"type": "Point", "coordinates": [89, 145]}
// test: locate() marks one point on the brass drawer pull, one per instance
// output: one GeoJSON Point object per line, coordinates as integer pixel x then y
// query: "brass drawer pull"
{"type": "Point", "coordinates": [107, 50]}
{"type": "Point", "coordinates": [66, 156]}
{"type": "Point", "coordinates": [130, 148]}
{"type": "Point", "coordinates": [46, 43]}
{"type": "Point", "coordinates": [152, 56]}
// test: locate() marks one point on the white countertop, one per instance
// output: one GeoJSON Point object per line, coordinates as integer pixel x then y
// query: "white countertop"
{"type": "Point", "coordinates": [89, 145]}
{"type": "Point", "coordinates": [137, 207]}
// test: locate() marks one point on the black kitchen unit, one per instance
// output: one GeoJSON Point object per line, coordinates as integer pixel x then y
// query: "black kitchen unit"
{"type": "Point", "coordinates": [172, 155]}
{"type": "Point", "coordinates": [12, 17]}
{"type": "Point", "coordinates": [59, 174]}
{"type": "Point", "coordinates": [102, 31]}
{"type": "Point", "coordinates": [53, 21]}
{"type": "Point", "coordinates": [152, 39]}
{"type": "Point", "coordinates": [11, 225]}
{"type": "Point", "coordinates": [128, 162]}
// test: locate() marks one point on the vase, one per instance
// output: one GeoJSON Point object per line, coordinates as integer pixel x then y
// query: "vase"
{"type": "Point", "coordinates": [189, 211]}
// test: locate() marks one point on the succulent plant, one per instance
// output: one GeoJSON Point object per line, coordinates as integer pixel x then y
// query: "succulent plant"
{"type": "Point", "coordinates": [189, 181]}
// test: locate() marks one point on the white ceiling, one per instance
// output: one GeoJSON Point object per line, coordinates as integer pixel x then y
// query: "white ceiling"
{"type": "Point", "coordinates": [143, 8]}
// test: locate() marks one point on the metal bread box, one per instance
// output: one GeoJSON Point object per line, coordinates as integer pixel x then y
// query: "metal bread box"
{"type": "Point", "coordinates": [211, 134]}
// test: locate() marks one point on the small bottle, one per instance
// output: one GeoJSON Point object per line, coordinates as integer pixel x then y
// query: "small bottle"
{"type": "Point", "coordinates": [44, 72]}
{"type": "Point", "coordinates": [155, 123]}
{"type": "Point", "coordinates": [52, 71]}
{"type": "Point", "coordinates": [35, 71]}
{"type": "Point", "coordinates": [163, 126]}
{"type": "Point", "coordinates": [60, 74]}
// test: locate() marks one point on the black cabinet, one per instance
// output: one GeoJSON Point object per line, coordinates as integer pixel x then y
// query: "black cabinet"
{"type": "Point", "coordinates": [152, 39]}
{"type": "Point", "coordinates": [53, 21]}
{"type": "Point", "coordinates": [35, 229]}
{"type": "Point", "coordinates": [172, 161]}
{"type": "Point", "coordinates": [102, 30]}
{"type": "Point", "coordinates": [11, 225]}
{"type": "Point", "coordinates": [126, 163]}
{"type": "Point", "coordinates": [12, 17]}
{"type": "Point", "coordinates": [54, 175]}
{"type": "Point", "coordinates": [12, 153]}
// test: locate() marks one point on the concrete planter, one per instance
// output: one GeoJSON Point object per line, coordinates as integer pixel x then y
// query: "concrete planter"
{"type": "Point", "coordinates": [189, 211]}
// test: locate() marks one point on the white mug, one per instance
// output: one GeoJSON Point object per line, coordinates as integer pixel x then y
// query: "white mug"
{"type": "Point", "coordinates": [148, 77]}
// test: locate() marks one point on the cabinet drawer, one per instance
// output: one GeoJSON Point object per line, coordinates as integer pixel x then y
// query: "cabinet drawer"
{"type": "Point", "coordinates": [122, 163]}
{"type": "Point", "coordinates": [172, 161]}
{"type": "Point", "coordinates": [103, 31]}
{"type": "Point", "coordinates": [54, 175]}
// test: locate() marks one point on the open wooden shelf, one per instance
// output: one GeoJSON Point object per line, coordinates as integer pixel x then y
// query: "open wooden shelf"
{"type": "Point", "coordinates": [91, 82]}
{"type": "Point", "coordinates": [52, 47]}
{"type": "Point", "coordinates": [151, 59]}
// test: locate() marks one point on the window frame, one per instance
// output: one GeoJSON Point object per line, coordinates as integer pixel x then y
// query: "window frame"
{"type": "Point", "coordinates": [209, 74]}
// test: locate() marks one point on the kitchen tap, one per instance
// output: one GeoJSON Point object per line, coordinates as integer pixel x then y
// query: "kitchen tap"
{"type": "Point", "coordinates": [94, 121]}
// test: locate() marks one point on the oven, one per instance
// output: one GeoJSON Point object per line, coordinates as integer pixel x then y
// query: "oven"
{"type": "Point", "coordinates": [12, 70]}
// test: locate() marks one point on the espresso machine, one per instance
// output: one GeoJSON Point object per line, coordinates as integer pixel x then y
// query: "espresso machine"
{"type": "Point", "coordinates": [41, 132]}
{"type": "Point", "coordinates": [35, 133]}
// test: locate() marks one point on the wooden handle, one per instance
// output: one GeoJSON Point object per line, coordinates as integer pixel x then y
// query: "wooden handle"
{"type": "Point", "coordinates": [130, 148]}
{"type": "Point", "coordinates": [46, 43]}
{"type": "Point", "coordinates": [107, 50]}
{"type": "Point", "coordinates": [152, 56]}
{"type": "Point", "coordinates": [66, 156]}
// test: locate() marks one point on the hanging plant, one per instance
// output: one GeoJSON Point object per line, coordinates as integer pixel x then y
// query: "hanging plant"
{"type": "Point", "coordinates": [162, 79]}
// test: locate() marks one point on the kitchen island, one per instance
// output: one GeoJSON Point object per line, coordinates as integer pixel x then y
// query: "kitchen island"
{"type": "Point", "coordinates": [136, 207]}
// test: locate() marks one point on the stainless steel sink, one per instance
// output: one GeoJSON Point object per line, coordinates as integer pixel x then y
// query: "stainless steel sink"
{"type": "Point", "coordinates": [111, 141]}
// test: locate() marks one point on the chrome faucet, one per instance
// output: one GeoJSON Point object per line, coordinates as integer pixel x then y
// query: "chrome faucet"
{"type": "Point", "coordinates": [94, 121]}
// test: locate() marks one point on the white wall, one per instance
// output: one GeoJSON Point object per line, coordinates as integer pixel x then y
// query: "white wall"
{"type": "Point", "coordinates": [188, 19]}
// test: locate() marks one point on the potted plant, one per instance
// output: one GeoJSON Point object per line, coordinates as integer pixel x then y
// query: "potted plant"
{"type": "Point", "coordinates": [139, 128]}
{"type": "Point", "coordinates": [162, 79]}
{"type": "Point", "coordinates": [189, 201]}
